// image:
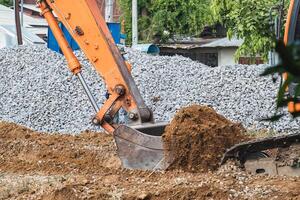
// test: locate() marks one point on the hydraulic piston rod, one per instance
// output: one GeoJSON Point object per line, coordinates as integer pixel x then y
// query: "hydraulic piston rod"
{"type": "Point", "coordinates": [73, 62]}
{"type": "Point", "coordinates": [88, 92]}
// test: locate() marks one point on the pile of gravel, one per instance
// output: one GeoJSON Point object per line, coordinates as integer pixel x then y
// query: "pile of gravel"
{"type": "Point", "coordinates": [38, 91]}
{"type": "Point", "coordinates": [237, 91]}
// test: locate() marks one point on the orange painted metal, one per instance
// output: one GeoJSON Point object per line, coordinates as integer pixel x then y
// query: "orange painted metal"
{"type": "Point", "coordinates": [287, 27]}
{"type": "Point", "coordinates": [109, 128]}
{"type": "Point", "coordinates": [292, 107]}
{"type": "Point", "coordinates": [288, 21]}
{"type": "Point", "coordinates": [95, 40]}
{"type": "Point", "coordinates": [85, 23]}
{"type": "Point", "coordinates": [106, 107]}
{"type": "Point", "coordinates": [129, 67]}
{"type": "Point", "coordinates": [115, 108]}
{"type": "Point", "coordinates": [73, 62]}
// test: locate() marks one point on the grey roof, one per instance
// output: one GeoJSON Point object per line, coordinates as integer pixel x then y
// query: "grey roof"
{"type": "Point", "coordinates": [192, 44]}
{"type": "Point", "coordinates": [9, 31]}
{"type": "Point", "coordinates": [7, 17]}
{"type": "Point", "coordinates": [34, 7]}
{"type": "Point", "coordinates": [205, 43]}
{"type": "Point", "coordinates": [225, 42]}
{"type": "Point", "coordinates": [31, 7]}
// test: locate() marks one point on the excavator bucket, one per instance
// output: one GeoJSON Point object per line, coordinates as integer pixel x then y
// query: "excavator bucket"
{"type": "Point", "coordinates": [141, 147]}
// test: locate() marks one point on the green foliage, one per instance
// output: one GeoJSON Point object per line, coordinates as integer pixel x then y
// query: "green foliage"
{"type": "Point", "coordinates": [161, 19]}
{"type": "Point", "coordinates": [290, 65]}
{"type": "Point", "coordinates": [6, 2]}
{"type": "Point", "coordinates": [178, 17]}
{"type": "Point", "coordinates": [144, 7]}
{"type": "Point", "coordinates": [250, 20]}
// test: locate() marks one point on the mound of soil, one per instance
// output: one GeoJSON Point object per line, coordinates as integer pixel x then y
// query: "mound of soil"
{"type": "Point", "coordinates": [50, 166]}
{"type": "Point", "coordinates": [197, 138]}
{"type": "Point", "coordinates": [29, 151]}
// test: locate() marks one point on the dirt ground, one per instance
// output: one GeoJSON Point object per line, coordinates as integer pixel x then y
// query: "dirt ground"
{"type": "Point", "coordinates": [44, 166]}
{"type": "Point", "coordinates": [198, 137]}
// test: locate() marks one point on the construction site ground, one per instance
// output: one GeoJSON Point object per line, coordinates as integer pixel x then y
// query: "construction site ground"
{"type": "Point", "coordinates": [48, 166]}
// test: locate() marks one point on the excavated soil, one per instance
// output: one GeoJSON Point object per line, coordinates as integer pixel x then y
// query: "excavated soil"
{"type": "Point", "coordinates": [198, 137]}
{"type": "Point", "coordinates": [61, 167]}
{"type": "Point", "coordinates": [29, 151]}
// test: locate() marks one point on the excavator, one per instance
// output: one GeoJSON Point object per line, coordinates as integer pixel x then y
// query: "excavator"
{"type": "Point", "coordinates": [139, 143]}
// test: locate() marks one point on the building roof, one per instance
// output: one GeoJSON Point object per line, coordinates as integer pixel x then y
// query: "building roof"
{"type": "Point", "coordinates": [38, 30]}
{"type": "Point", "coordinates": [34, 8]}
{"type": "Point", "coordinates": [205, 43]}
{"type": "Point", "coordinates": [28, 37]}
{"type": "Point", "coordinates": [36, 25]}
{"type": "Point", "coordinates": [31, 7]}
{"type": "Point", "coordinates": [188, 44]}
{"type": "Point", "coordinates": [7, 17]}
{"type": "Point", "coordinates": [225, 42]}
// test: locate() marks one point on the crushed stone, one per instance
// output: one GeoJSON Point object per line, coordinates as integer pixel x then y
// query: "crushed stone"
{"type": "Point", "coordinates": [38, 91]}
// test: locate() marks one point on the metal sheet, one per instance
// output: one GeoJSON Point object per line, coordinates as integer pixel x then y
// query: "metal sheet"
{"type": "Point", "coordinates": [7, 18]}
{"type": "Point", "coordinates": [240, 151]}
{"type": "Point", "coordinates": [270, 167]}
{"type": "Point", "coordinates": [140, 151]}
{"type": "Point", "coordinates": [8, 36]}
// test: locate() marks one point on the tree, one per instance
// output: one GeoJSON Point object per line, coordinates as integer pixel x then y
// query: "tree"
{"type": "Point", "coordinates": [178, 17]}
{"type": "Point", "coordinates": [161, 19]}
{"type": "Point", "coordinates": [249, 20]}
{"type": "Point", "coordinates": [144, 19]}
{"type": "Point", "coordinates": [6, 2]}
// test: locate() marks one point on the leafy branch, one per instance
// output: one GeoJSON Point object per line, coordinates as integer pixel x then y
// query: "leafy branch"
{"type": "Point", "coordinates": [6, 2]}
{"type": "Point", "coordinates": [249, 20]}
{"type": "Point", "coordinates": [160, 20]}
{"type": "Point", "coordinates": [289, 68]}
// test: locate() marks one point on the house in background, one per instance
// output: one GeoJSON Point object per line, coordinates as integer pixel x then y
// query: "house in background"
{"type": "Point", "coordinates": [33, 23]}
{"type": "Point", "coordinates": [192, 49]}
{"type": "Point", "coordinates": [32, 28]}
{"type": "Point", "coordinates": [212, 52]}
{"type": "Point", "coordinates": [8, 36]}
{"type": "Point", "coordinates": [31, 9]}
{"type": "Point", "coordinates": [225, 50]}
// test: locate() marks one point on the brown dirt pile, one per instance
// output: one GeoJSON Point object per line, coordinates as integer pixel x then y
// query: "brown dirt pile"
{"type": "Point", "coordinates": [29, 151]}
{"type": "Point", "coordinates": [197, 138]}
{"type": "Point", "coordinates": [85, 166]}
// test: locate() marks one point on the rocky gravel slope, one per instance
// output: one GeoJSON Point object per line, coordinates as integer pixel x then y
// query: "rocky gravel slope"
{"type": "Point", "coordinates": [38, 91]}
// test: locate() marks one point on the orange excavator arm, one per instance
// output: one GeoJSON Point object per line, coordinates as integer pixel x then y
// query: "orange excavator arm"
{"type": "Point", "coordinates": [84, 22]}
{"type": "Point", "coordinates": [139, 146]}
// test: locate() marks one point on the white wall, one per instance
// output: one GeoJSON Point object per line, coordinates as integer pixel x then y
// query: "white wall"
{"type": "Point", "coordinates": [7, 40]}
{"type": "Point", "coordinates": [226, 56]}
